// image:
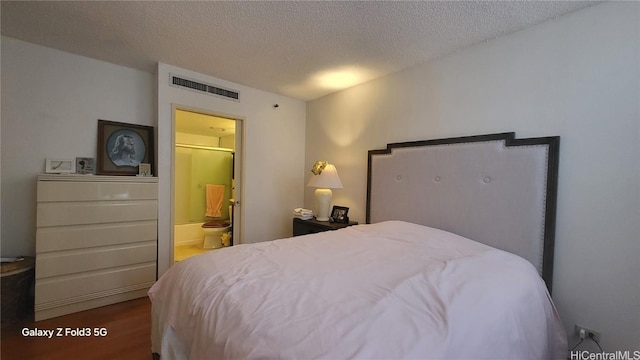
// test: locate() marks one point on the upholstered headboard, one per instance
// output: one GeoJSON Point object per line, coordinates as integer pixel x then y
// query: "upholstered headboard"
{"type": "Point", "coordinates": [494, 189]}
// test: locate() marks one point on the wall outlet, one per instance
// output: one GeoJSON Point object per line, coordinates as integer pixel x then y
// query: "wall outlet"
{"type": "Point", "coordinates": [588, 332]}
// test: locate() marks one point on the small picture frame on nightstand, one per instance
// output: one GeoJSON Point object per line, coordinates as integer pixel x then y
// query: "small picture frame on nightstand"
{"type": "Point", "coordinates": [339, 214]}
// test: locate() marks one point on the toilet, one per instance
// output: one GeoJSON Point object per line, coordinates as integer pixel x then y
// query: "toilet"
{"type": "Point", "coordinates": [213, 231]}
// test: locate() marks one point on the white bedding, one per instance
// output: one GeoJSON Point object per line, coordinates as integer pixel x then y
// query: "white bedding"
{"type": "Point", "coordinates": [390, 290]}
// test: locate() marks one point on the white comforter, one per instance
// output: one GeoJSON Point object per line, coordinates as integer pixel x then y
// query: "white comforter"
{"type": "Point", "coordinates": [390, 290]}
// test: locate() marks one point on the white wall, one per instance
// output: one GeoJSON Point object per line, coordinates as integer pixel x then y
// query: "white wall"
{"type": "Point", "coordinates": [272, 155]}
{"type": "Point", "coordinates": [578, 77]}
{"type": "Point", "coordinates": [51, 103]}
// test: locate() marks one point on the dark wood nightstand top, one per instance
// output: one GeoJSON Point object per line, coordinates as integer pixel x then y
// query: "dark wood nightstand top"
{"type": "Point", "coordinates": [311, 226]}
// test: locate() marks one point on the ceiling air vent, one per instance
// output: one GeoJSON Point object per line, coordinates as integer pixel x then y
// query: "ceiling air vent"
{"type": "Point", "coordinates": [204, 88]}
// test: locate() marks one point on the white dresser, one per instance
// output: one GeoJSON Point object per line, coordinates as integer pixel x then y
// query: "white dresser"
{"type": "Point", "coordinates": [96, 241]}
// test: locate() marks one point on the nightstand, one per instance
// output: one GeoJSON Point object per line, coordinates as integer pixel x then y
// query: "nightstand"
{"type": "Point", "coordinates": [312, 226]}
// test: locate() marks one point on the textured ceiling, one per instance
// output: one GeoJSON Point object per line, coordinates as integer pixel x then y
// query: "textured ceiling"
{"type": "Point", "coordinates": [283, 47]}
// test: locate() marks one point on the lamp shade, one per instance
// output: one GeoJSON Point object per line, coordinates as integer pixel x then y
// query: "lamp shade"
{"type": "Point", "coordinates": [328, 179]}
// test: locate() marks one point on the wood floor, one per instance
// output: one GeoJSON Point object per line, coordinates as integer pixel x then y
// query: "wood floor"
{"type": "Point", "coordinates": [128, 327]}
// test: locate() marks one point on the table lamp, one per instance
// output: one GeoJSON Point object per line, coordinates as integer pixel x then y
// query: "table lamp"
{"type": "Point", "coordinates": [325, 177]}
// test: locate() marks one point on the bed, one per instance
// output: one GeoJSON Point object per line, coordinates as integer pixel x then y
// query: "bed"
{"type": "Point", "coordinates": [455, 262]}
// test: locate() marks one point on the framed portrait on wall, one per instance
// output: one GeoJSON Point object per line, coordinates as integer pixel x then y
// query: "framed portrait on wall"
{"type": "Point", "coordinates": [123, 147]}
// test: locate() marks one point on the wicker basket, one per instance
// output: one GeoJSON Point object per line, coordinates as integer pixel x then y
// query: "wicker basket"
{"type": "Point", "coordinates": [17, 290]}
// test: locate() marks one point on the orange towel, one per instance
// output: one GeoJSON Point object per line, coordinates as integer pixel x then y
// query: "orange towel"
{"type": "Point", "coordinates": [215, 195]}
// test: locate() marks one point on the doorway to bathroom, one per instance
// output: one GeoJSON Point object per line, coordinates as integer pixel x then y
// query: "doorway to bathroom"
{"type": "Point", "coordinates": [204, 183]}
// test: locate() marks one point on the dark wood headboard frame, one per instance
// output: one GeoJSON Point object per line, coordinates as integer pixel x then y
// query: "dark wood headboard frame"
{"type": "Point", "coordinates": [509, 140]}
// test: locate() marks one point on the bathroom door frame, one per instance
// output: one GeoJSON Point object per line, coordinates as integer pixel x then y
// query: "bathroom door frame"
{"type": "Point", "coordinates": [237, 171]}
